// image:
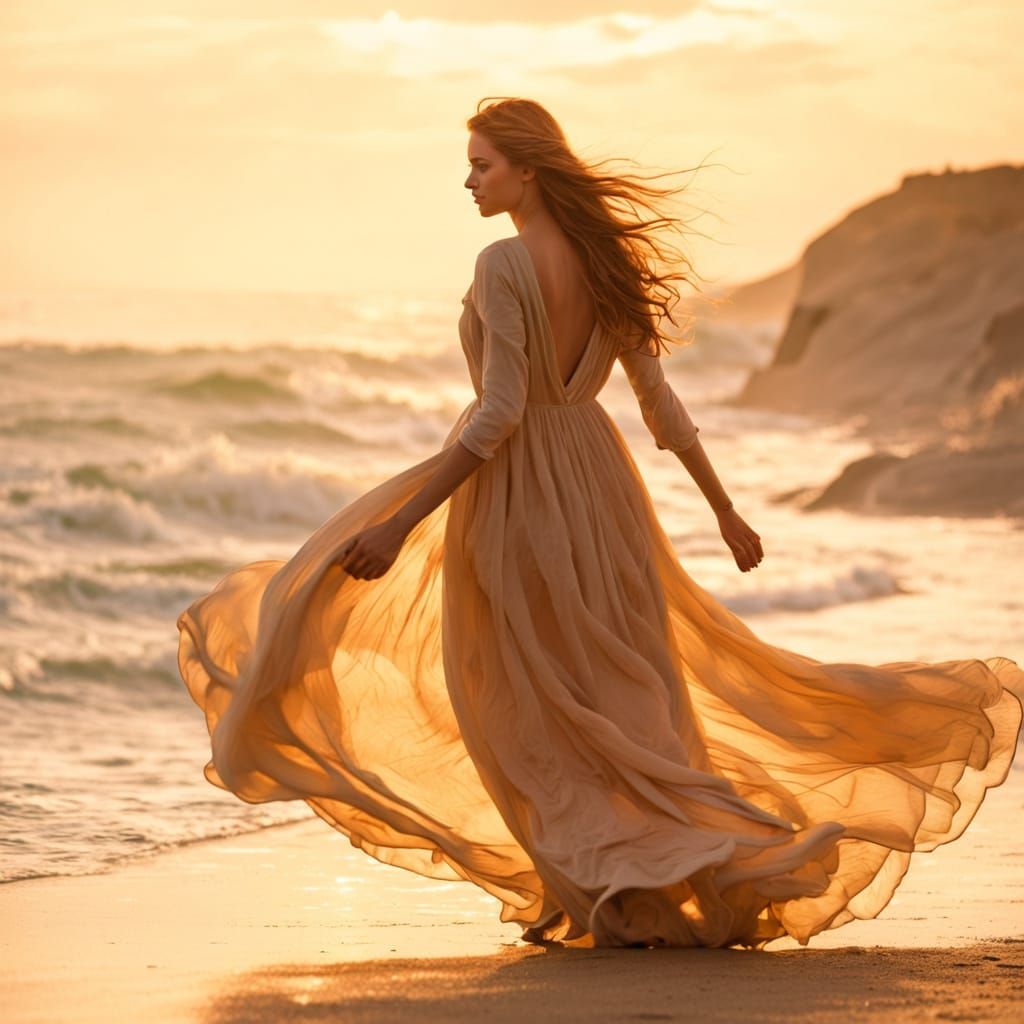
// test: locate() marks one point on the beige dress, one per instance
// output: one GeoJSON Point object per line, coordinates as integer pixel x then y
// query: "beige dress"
{"type": "Point", "coordinates": [537, 698]}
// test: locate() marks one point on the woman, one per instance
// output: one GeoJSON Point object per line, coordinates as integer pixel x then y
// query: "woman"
{"type": "Point", "coordinates": [493, 667]}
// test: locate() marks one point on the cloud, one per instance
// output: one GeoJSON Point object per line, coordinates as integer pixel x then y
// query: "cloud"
{"type": "Point", "coordinates": [729, 68]}
{"type": "Point", "coordinates": [413, 41]}
{"type": "Point", "coordinates": [293, 78]}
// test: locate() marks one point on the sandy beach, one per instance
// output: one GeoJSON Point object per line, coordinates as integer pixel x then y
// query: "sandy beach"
{"type": "Point", "coordinates": [292, 923]}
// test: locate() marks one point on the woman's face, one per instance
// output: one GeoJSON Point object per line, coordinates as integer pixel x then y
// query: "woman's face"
{"type": "Point", "coordinates": [497, 185]}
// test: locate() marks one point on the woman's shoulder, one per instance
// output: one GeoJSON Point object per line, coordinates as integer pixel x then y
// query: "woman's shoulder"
{"type": "Point", "coordinates": [495, 260]}
{"type": "Point", "coordinates": [496, 250]}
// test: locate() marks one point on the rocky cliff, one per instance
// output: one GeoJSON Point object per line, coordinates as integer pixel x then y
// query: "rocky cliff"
{"type": "Point", "coordinates": [908, 322]}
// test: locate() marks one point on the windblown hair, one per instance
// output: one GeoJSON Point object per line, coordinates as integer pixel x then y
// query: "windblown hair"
{"type": "Point", "coordinates": [618, 252]}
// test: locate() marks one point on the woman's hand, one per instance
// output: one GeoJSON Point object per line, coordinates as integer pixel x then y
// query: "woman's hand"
{"type": "Point", "coordinates": [743, 542]}
{"type": "Point", "coordinates": [368, 554]}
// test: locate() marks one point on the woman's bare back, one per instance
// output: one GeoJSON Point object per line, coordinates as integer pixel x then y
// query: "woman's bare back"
{"type": "Point", "coordinates": [567, 300]}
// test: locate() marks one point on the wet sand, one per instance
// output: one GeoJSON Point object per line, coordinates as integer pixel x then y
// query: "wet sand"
{"type": "Point", "coordinates": [292, 923]}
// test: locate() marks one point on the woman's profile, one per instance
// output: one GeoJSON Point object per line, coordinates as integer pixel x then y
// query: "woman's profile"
{"type": "Point", "coordinates": [493, 666]}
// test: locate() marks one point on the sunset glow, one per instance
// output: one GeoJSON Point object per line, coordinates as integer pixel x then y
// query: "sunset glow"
{"type": "Point", "coordinates": [230, 145]}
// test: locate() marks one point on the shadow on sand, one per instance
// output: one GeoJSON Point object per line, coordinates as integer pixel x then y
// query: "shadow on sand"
{"type": "Point", "coordinates": [981, 982]}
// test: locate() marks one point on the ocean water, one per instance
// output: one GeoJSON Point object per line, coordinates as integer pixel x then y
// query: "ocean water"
{"type": "Point", "coordinates": [152, 441]}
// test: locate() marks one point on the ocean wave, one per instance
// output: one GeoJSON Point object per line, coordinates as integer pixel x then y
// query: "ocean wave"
{"type": "Point", "coordinates": [199, 568]}
{"type": "Point", "coordinates": [110, 514]}
{"type": "Point", "coordinates": [858, 583]}
{"type": "Point", "coordinates": [46, 426]}
{"type": "Point", "coordinates": [111, 671]}
{"type": "Point", "coordinates": [116, 591]}
{"type": "Point", "coordinates": [217, 480]}
{"type": "Point", "coordinates": [299, 431]}
{"type": "Point", "coordinates": [56, 675]}
{"type": "Point", "coordinates": [145, 501]}
{"type": "Point", "coordinates": [18, 672]}
{"type": "Point", "coordinates": [337, 380]}
{"type": "Point", "coordinates": [91, 852]}
{"type": "Point", "coordinates": [222, 386]}
{"type": "Point", "coordinates": [54, 350]}
{"type": "Point", "coordinates": [115, 598]}
{"type": "Point", "coordinates": [384, 361]}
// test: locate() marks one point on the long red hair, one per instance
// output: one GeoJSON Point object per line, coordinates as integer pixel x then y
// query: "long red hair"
{"type": "Point", "coordinates": [597, 210]}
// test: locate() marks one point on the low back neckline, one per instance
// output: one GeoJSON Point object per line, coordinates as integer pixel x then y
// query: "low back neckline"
{"type": "Point", "coordinates": [552, 349]}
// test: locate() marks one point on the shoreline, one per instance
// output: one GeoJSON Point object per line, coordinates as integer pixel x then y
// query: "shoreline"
{"type": "Point", "coordinates": [132, 857]}
{"type": "Point", "coordinates": [291, 918]}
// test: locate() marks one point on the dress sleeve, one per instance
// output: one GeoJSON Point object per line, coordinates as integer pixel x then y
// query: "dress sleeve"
{"type": "Point", "coordinates": [663, 413]}
{"type": "Point", "coordinates": [505, 374]}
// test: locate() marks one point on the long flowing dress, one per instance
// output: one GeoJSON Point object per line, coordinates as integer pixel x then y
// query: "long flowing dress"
{"type": "Point", "coordinates": [537, 698]}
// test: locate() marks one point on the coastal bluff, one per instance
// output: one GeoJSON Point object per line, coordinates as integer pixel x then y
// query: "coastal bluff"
{"type": "Point", "coordinates": [908, 326]}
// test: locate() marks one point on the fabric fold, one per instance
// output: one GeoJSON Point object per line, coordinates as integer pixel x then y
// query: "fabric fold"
{"type": "Point", "coordinates": [538, 699]}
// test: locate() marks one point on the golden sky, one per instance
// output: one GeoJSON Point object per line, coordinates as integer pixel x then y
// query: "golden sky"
{"type": "Point", "coordinates": [321, 146]}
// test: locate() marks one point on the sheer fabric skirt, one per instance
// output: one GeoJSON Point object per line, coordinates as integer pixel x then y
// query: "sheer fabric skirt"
{"type": "Point", "coordinates": [537, 698]}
